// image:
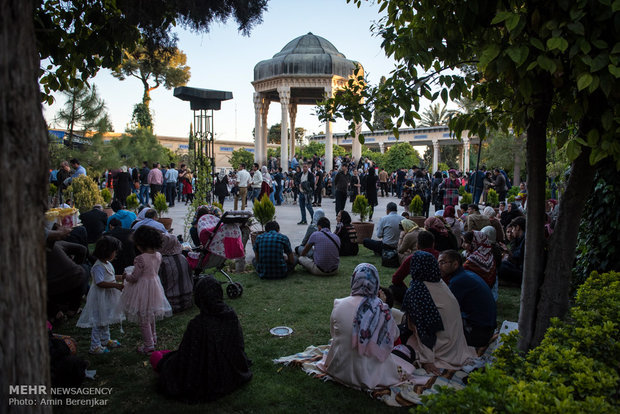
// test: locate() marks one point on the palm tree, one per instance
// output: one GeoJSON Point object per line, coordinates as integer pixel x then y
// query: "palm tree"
{"type": "Point", "coordinates": [435, 115]}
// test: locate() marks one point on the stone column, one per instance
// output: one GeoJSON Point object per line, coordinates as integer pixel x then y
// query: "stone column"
{"type": "Point", "coordinates": [264, 132]}
{"type": "Point", "coordinates": [285, 99]}
{"type": "Point", "coordinates": [258, 128]}
{"type": "Point", "coordinates": [435, 155]}
{"type": "Point", "coordinates": [465, 166]}
{"type": "Point", "coordinates": [292, 110]}
{"type": "Point", "coordinates": [356, 147]}
{"type": "Point", "coordinates": [329, 149]}
{"type": "Point", "coordinates": [382, 148]}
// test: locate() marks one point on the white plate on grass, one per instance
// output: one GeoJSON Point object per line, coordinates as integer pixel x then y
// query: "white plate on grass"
{"type": "Point", "coordinates": [281, 331]}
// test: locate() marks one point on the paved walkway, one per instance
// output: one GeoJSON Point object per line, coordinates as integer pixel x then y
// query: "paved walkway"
{"type": "Point", "coordinates": [287, 215]}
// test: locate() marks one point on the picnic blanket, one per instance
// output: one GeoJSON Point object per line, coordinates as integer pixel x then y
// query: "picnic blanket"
{"type": "Point", "coordinates": [420, 383]}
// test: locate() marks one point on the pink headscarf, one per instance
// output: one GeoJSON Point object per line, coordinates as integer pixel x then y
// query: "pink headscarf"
{"type": "Point", "coordinates": [435, 223]}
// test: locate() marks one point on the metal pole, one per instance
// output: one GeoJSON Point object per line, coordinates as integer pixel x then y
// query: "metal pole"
{"type": "Point", "coordinates": [477, 166]}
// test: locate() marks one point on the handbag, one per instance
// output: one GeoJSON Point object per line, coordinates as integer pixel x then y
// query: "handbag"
{"type": "Point", "coordinates": [389, 258]}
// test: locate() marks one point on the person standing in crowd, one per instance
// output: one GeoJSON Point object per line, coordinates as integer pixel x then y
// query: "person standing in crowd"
{"type": "Point", "coordinates": [243, 182]}
{"type": "Point", "coordinates": [278, 179]}
{"type": "Point", "coordinates": [257, 182]}
{"type": "Point", "coordinates": [383, 181]}
{"type": "Point", "coordinates": [318, 186]}
{"type": "Point", "coordinates": [371, 191]}
{"type": "Point", "coordinates": [144, 184]}
{"type": "Point", "coordinates": [401, 176]}
{"type": "Point", "coordinates": [155, 180]}
{"type": "Point", "coordinates": [355, 185]}
{"type": "Point", "coordinates": [171, 184]}
{"type": "Point", "coordinates": [476, 183]}
{"type": "Point", "coordinates": [436, 191]}
{"type": "Point", "coordinates": [122, 187]}
{"type": "Point", "coordinates": [180, 182]}
{"type": "Point", "coordinates": [500, 184]}
{"type": "Point", "coordinates": [221, 186]}
{"type": "Point", "coordinates": [63, 173]}
{"type": "Point", "coordinates": [341, 184]}
{"type": "Point", "coordinates": [306, 189]}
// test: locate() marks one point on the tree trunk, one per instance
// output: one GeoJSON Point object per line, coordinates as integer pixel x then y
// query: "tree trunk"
{"type": "Point", "coordinates": [556, 286]}
{"type": "Point", "coordinates": [534, 261]}
{"type": "Point", "coordinates": [24, 352]}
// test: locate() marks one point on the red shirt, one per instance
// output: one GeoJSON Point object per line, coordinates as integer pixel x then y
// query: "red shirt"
{"type": "Point", "coordinates": [404, 269]}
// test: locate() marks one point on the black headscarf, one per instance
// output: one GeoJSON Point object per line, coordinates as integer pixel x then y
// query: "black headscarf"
{"type": "Point", "coordinates": [418, 302]}
{"type": "Point", "coordinates": [211, 360]}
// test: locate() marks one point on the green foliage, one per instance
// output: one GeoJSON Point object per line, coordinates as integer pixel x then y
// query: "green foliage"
{"type": "Point", "coordinates": [106, 195]}
{"type": "Point", "coordinates": [500, 149]}
{"type": "Point", "coordinates": [241, 156]}
{"type": "Point", "coordinates": [83, 112]}
{"type": "Point", "coordinates": [132, 202]}
{"type": "Point", "coordinates": [85, 193]}
{"type": "Point", "coordinates": [53, 190]}
{"type": "Point", "coordinates": [467, 198]}
{"type": "Point", "coordinates": [160, 205]}
{"type": "Point", "coordinates": [514, 191]}
{"type": "Point", "coordinates": [597, 246]}
{"type": "Point", "coordinates": [361, 207]}
{"type": "Point", "coordinates": [416, 205]}
{"type": "Point", "coordinates": [274, 152]}
{"type": "Point", "coordinates": [118, 26]}
{"type": "Point", "coordinates": [319, 148]}
{"type": "Point", "coordinates": [264, 210]}
{"type": "Point", "coordinates": [164, 65]}
{"type": "Point", "coordinates": [274, 136]}
{"type": "Point", "coordinates": [462, 190]}
{"type": "Point", "coordinates": [141, 117]}
{"type": "Point", "coordinates": [401, 155]}
{"type": "Point", "coordinates": [435, 115]}
{"type": "Point", "coordinates": [218, 205]}
{"type": "Point", "coordinates": [443, 167]}
{"type": "Point", "coordinates": [140, 145]}
{"type": "Point", "coordinates": [576, 368]}
{"type": "Point", "coordinates": [492, 198]}
{"type": "Point", "coordinates": [375, 156]}
{"type": "Point", "coordinates": [511, 199]}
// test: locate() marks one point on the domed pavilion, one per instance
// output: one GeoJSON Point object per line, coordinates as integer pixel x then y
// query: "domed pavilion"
{"type": "Point", "coordinates": [308, 69]}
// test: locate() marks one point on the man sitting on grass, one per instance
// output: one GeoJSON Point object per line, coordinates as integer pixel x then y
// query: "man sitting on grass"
{"type": "Point", "coordinates": [478, 308]}
{"type": "Point", "coordinates": [387, 230]}
{"type": "Point", "coordinates": [326, 258]}
{"type": "Point", "coordinates": [273, 255]}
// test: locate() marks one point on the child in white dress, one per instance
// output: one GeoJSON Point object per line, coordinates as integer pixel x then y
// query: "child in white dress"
{"type": "Point", "coordinates": [102, 303]}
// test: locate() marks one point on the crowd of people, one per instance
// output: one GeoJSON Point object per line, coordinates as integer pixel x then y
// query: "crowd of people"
{"type": "Point", "coordinates": [138, 271]}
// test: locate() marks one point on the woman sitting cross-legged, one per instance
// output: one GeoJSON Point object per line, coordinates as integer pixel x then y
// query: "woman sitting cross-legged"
{"type": "Point", "coordinates": [434, 317]}
{"type": "Point", "coordinates": [363, 334]}
{"type": "Point", "coordinates": [211, 360]}
{"type": "Point", "coordinates": [347, 234]}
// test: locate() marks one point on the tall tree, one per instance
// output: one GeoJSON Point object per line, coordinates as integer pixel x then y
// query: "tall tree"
{"type": "Point", "coordinates": [538, 68]}
{"type": "Point", "coordinates": [435, 115]}
{"type": "Point", "coordinates": [62, 45]}
{"type": "Point", "coordinates": [275, 134]}
{"type": "Point", "coordinates": [300, 134]}
{"type": "Point", "coordinates": [83, 111]}
{"type": "Point", "coordinates": [381, 119]}
{"type": "Point", "coordinates": [165, 66]}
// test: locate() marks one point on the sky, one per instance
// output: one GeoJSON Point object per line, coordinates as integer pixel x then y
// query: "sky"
{"type": "Point", "coordinates": [224, 59]}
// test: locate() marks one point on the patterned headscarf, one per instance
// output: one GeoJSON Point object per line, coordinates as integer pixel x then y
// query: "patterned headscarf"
{"type": "Point", "coordinates": [490, 232]}
{"type": "Point", "coordinates": [482, 254]}
{"type": "Point", "coordinates": [211, 210]}
{"type": "Point", "coordinates": [489, 211]}
{"type": "Point", "coordinates": [408, 225]}
{"type": "Point", "coordinates": [318, 213]}
{"type": "Point", "coordinates": [437, 224]}
{"type": "Point", "coordinates": [418, 302]}
{"type": "Point", "coordinates": [373, 321]}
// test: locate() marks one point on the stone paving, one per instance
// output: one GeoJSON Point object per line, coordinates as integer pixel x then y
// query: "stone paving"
{"type": "Point", "coordinates": [287, 215]}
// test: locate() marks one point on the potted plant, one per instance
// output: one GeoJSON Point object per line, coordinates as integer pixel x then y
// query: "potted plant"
{"type": "Point", "coordinates": [467, 198]}
{"type": "Point", "coordinates": [107, 198]}
{"type": "Point", "coordinates": [132, 202]}
{"type": "Point", "coordinates": [264, 212]}
{"type": "Point", "coordinates": [85, 193]}
{"type": "Point", "coordinates": [415, 207]}
{"type": "Point", "coordinates": [161, 206]}
{"type": "Point", "coordinates": [362, 228]}
{"type": "Point", "coordinates": [493, 198]}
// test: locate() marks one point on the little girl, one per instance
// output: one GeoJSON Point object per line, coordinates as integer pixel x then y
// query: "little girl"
{"type": "Point", "coordinates": [143, 298]}
{"type": "Point", "coordinates": [102, 303]}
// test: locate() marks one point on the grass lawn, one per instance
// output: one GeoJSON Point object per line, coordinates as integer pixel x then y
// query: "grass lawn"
{"type": "Point", "coordinates": [302, 302]}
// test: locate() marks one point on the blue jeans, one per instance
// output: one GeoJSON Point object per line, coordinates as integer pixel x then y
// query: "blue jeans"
{"type": "Point", "coordinates": [144, 194]}
{"type": "Point", "coordinates": [279, 199]}
{"type": "Point", "coordinates": [399, 188]}
{"type": "Point", "coordinates": [254, 194]}
{"type": "Point", "coordinates": [477, 195]}
{"type": "Point", "coordinates": [305, 202]}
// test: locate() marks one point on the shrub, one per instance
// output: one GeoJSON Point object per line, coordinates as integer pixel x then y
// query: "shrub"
{"type": "Point", "coordinates": [159, 204]}
{"type": "Point", "coordinates": [85, 193]}
{"type": "Point", "coordinates": [443, 167]}
{"type": "Point", "coordinates": [132, 202]}
{"type": "Point", "coordinates": [462, 190]}
{"type": "Point", "coordinates": [53, 190]}
{"type": "Point", "coordinates": [492, 198]}
{"type": "Point", "coordinates": [416, 206]}
{"type": "Point", "coordinates": [514, 190]}
{"type": "Point", "coordinates": [107, 196]}
{"type": "Point", "coordinates": [264, 210]}
{"type": "Point", "coordinates": [218, 205]}
{"type": "Point", "coordinates": [467, 198]}
{"type": "Point", "coordinates": [511, 199]}
{"type": "Point", "coordinates": [576, 368]}
{"type": "Point", "coordinates": [361, 207]}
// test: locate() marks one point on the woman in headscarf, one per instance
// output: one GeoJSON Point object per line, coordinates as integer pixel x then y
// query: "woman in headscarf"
{"type": "Point", "coordinates": [175, 274]}
{"type": "Point", "coordinates": [479, 257]}
{"type": "Point", "coordinates": [122, 186]}
{"type": "Point", "coordinates": [363, 333]}
{"type": "Point", "coordinates": [211, 360]}
{"type": "Point", "coordinates": [221, 187]}
{"type": "Point", "coordinates": [455, 224]}
{"type": "Point", "coordinates": [312, 227]}
{"type": "Point", "coordinates": [347, 234]}
{"type": "Point", "coordinates": [444, 239]}
{"type": "Point", "coordinates": [434, 316]}
{"type": "Point", "coordinates": [265, 187]}
{"type": "Point", "coordinates": [510, 214]}
{"type": "Point", "coordinates": [451, 187]}
{"type": "Point", "coordinates": [371, 190]}
{"type": "Point", "coordinates": [499, 230]}
{"type": "Point", "coordinates": [408, 241]}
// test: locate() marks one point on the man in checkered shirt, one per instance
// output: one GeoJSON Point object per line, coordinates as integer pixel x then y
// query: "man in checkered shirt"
{"type": "Point", "coordinates": [274, 257]}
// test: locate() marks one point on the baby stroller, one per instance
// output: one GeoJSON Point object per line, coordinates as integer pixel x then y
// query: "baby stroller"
{"type": "Point", "coordinates": [220, 239]}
